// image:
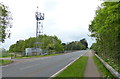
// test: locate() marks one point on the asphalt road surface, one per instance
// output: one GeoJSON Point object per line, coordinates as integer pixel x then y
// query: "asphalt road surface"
{"type": "Point", "coordinates": [40, 67]}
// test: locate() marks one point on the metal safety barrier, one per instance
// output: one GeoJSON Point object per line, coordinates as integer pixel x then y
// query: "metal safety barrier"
{"type": "Point", "coordinates": [113, 71]}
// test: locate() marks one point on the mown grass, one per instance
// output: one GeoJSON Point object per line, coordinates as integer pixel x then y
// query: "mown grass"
{"type": "Point", "coordinates": [74, 70]}
{"type": "Point", "coordinates": [102, 69]}
{"type": "Point", "coordinates": [4, 62]}
{"type": "Point", "coordinates": [20, 57]}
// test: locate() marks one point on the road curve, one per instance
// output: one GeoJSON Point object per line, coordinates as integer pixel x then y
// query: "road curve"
{"type": "Point", "coordinates": [40, 67]}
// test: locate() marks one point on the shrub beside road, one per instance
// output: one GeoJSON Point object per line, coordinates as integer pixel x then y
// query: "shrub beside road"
{"type": "Point", "coordinates": [103, 70]}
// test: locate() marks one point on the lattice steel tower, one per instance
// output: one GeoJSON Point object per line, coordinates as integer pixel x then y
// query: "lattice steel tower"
{"type": "Point", "coordinates": [39, 28]}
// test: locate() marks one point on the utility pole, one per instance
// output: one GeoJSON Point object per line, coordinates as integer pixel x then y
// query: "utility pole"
{"type": "Point", "coordinates": [39, 28]}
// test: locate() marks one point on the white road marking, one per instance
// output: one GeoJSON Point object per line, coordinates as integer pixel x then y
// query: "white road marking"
{"type": "Point", "coordinates": [66, 66]}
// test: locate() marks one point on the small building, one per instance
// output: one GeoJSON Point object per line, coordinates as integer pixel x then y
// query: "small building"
{"type": "Point", "coordinates": [33, 51]}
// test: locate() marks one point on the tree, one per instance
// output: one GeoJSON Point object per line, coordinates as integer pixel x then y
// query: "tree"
{"type": "Point", "coordinates": [5, 18]}
{"type": "Point", "coordinates": [84, 42]}
{"type": "Point", "coordinates": [50, 43]}
{"type": "Point", "coordinates": [76, 45]}
{"type": "Point", "coordinates": [105, 27]}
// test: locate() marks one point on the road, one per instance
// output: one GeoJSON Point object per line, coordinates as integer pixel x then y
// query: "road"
{"type": "Point", "coordinates": [40, 67]}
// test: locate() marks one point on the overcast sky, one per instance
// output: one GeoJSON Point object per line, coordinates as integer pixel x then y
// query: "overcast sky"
{"type": "Point", "coordinates": [67, 19]}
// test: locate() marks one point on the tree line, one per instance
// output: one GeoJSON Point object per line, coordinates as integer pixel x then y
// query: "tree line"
{"type": "Point", "coordinates": [76, 45]}
{"type": "Point", "coordinates": [49, 43]}
{"type": "Point", "coordinates": [105, 27]}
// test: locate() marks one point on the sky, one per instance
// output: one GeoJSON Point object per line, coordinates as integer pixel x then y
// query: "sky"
{"type": "Point", "coordinates": [67, 19]}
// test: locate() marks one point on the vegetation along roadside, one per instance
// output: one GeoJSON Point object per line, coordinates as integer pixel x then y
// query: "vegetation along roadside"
{"type": "Point", "coordinates": [102, 69]}
{"type": "Point", "coordinates": [5, 62]}
{"type": "Point", "coordinates": [74, 70]}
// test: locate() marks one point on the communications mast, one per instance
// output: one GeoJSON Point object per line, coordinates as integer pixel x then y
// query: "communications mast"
{"type": "Point", "coordinates": [39, 28]}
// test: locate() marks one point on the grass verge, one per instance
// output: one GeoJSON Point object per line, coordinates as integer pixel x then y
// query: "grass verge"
{"type": "Point", "coordinates": [102, 69]}
{"type": "Point", "coordinates": [36, 56]}
{"type": "Point", "coordinates": [5, 62]}
{"type": "Point", "coordinates": [76, 69]}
